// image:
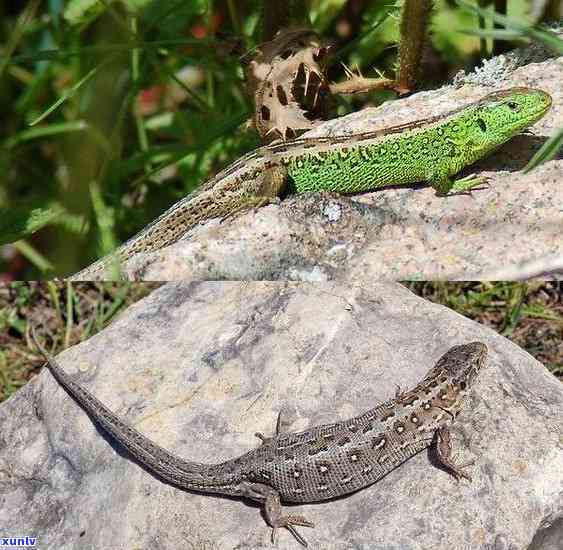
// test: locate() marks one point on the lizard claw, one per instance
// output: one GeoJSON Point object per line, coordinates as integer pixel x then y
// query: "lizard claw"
{"type": "Point", "coordinates": [457, 469]}
{"type": "Point", "coordinates": [288, 522]}
{"type": "Point", "coordinates": [275, 518]}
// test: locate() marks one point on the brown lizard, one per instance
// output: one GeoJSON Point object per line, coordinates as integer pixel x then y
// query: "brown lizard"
{"type": "Point", "coordinates": [319, 463]}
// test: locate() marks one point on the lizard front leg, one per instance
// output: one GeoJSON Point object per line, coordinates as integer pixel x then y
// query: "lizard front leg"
{"type": "Point", "coordinates": [440, 179]}
{"type": "Point", "coordinates": [444, 453]}
{"type": "Point", "coordinates": [273, 510]}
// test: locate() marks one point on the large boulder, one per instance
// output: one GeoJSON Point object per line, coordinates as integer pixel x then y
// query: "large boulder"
{"type": "Point", "coordinates": [511, 229]}
{"type": "Point", "coordinates": [200, 368]}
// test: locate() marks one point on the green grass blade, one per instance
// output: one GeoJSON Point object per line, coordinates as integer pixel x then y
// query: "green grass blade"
{"type": "Point", "coordinates": [105, 219]}
{"type": "Point", "coordinates": [46, 131]}
{"type": "Point", "coordinates": [24, 19]}
{"type": "Point", "coordinates": [549, 38]}
{"type": "Point", "coordinates": [18, 222]}
{"type": "Point", "coordinates": [546, 152]}
{"type": "Point", "coordinates": [499, 34]}
{"type": "Point", "coordinates": [69, 93]}
{"type": "Point", "coordinates": [34, 256]}
{"type": "Point", "coordinates": [155, 45]}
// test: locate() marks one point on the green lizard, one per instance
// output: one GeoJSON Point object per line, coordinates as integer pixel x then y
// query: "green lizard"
{"type": "Point", "coordinates": [431, 150]}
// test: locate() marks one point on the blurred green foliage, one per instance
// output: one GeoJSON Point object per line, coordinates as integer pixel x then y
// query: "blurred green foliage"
{"type": "Point", "coordinates": [69, 312]}
{"type": "Point", "coordinates": [110, 111]}
{"type": "Point", "coordinates": [530, 314]}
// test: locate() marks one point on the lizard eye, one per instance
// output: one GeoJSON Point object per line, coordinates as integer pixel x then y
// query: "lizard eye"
{"type": "Point", "coordinates": [481, 124]}
{"type": "Point", "coordinates": [512, 105]}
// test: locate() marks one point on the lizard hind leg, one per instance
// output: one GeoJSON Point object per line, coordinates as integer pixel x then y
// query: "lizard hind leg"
{"type": "Point", "coordinates": [276, 519]}
{"type": "Point", "coordinates": [249, 203]}
{"type": "Point", "coordinates": [265, 190]}
{"type": "Point", "coordinates": [273, 510]}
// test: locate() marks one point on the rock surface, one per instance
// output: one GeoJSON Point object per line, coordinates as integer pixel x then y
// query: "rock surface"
{"type": "Point", "coordinates": [200, 367]}
{"type": "Point", "coordinates": [510, 230]}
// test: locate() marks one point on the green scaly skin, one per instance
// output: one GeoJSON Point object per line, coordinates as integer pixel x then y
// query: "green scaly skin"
{"type": "Point", "coordinates": [431, 150]}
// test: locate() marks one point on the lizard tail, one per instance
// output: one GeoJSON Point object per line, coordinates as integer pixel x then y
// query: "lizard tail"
{"type": "Point", "coordinates": [165, 230]}
{"type": "Point", "coordinates": [222, 196]}
{"type": "Point", "coordinates": [184, 473]}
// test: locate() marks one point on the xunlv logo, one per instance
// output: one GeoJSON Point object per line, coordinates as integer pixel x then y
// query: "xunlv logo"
{"type": "Point", "coordinates": [16, 542]}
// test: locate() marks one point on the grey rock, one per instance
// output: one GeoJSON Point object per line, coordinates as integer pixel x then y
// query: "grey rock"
{"type": "Point", "coordinates": [549, 537]}
{"type": "Point", "coordinates": [493, 71]}
{"type": "Point", "coordinates": [199, 368]}
{"type": "Point", "coordinates": [512, 228]}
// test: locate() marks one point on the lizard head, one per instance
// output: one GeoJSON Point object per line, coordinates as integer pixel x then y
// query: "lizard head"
{"type": "Point", "coordinates": [464, 361]}
{"type": "Point", "coordinates": [501, 115]}
{"type": "Point", "coordinates": [459, 367]}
